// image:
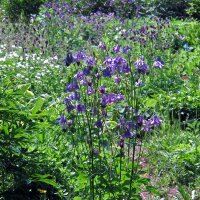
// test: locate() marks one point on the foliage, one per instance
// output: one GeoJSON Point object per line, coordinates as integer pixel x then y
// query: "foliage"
{"type": "Point", "coordinates": [171, 8]}
{"type": "Point", "coordinates": [194, 9]}
{"type": "Point", "coordinates": [80, 100]}
{"type": "Point", "coordinates": [15, 8]}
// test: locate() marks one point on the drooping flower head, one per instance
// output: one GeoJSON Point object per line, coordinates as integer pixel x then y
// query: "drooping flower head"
{"type": "Point", "coordinates": [81, 108]}
{"type": "Point", "coordinates": [116, 48]}
{"type": "Point", "coordinates": [71, 87]}
{"type": "Point", "coordinates": [80, 56]}
{"type": "Point", "coordinates": [108, 99]}
{"type": "Point", "coordinates": [102, 46]}
{"type": "Point", "coordinates": [158, 63]}
{"type": "Point", "coordinates": [62, 121]}
{"type": "Point", "coordinates": [141, 66]}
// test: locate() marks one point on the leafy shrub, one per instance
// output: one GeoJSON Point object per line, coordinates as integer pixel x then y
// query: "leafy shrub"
{"type": "Point", "coordinates": [15, 8]}
{"type": "Point", "coordinates": [171, 8]}
{"type": "Point", "coordinates": [194, 9]}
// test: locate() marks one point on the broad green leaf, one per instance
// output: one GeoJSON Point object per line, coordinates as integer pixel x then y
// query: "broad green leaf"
{"type": "Point", "coordinates": [111, 124]}
{"type": "Point", "coordinates": [38, 105]}
{"type": "Point", "coordinates": [151, 103]}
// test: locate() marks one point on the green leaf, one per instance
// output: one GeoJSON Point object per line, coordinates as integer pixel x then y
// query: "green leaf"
{"type": "Point", "coordinates": [23, 88]}
{"type": "Point", "coordinates": [111, 124]}
{"type": "Point", "coordinates": [151, 103]}
{"type": "Point", "coordinates": [38, 105]}
{"type": "Point", "coordinates": [49, 182]}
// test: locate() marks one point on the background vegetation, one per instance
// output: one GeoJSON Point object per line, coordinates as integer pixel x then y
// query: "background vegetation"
{"type": "Point", "coordinates": [99, 99]}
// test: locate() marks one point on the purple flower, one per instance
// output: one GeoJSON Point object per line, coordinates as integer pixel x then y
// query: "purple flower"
{"type": "Point", "coordinates": [98, 124]}
{"type": "Point", "coordinates": [96, 152]}
{"type": "Point", "coordinates": [108, 62]}
{"type": "Point", "coordinates": [127, 134]}
{"type": "Point", "coordinates": [90, 61]}
{"type": "Point", "coordinates": [62, 121]}
{"type": "Point", "coordinates": [121, 142]}
{"type": "Point", "coordinates": [120, 62]}
{"type": "Point", "coordinates": [69, 59]}
{"type": "Point", "coordinates": [111, 98]}
{"type": "Point", "coordinates": [122, 122]}
{"type": "Point", "coordinates": [79, 76]}
{"type": "Point", "coordinates": [158, 63]}
{"type": "Point", "coordinates": [138, 83]}
{"type": "Point", "coordinates": [117, 79]}
{"type": "Point", "coordinates": [126, 49]}
{"type": "Point", "coordinates": [87, 70]}
{"type": "Point", "coordinates": [116, 49]}
{"type": "Point", "coordinates": [140, 120]}
{"type": "Point", "coordinates": [71, 87]}
{"type": "Point", "coordinates": [156, 121]}
{"type": "Point", "coordinates": [75, 96]}
{"type": "Point", "coordinates": [69, 105]}
{"type": "Point", "coordinates": [141, 66]}
{"type": "Point", "coordinates": [80, 56]}
{"type": "Point", "coordinates": [90, 90]}
{"type": "Point", "coordinates": [107, 72]}
{"type": "Point", "coordinates": [81, 108]}
{"type": "Point", "coordinates": [146, 125]}
{"type": "Point", "coordinates": [102, 46]}
{"type": "Point", "coordinates": [125, 68]}
{"type": "Point", "coordinates": [102, 89]}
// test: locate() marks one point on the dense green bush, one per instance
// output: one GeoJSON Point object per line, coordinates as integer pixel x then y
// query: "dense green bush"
{"type": "Point", "coordinates": [15, 8]}
{"type": "Point", "coordinates": [194, 9]}
{"type": "Point", "coordinates": [171, 8]}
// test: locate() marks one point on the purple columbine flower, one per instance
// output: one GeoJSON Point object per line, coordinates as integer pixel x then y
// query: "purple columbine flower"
{"type": "Point", "coordinates": [156, 121]}
{"type": "Point", "coordinates": [117, 79]}
{"type": "Point", "coordinates": [107, 72]}
{"type": "Point", "coordinates": [108, 62]}
{"type": "Point", "coordinates": [90, 90]}
{"type": "Point", "coordinates": [80, 56]}
{"type": "Point", "coordinates": [102, 89]}
{"type": "Point", "coordinates": [69, 105]}
{"type": "Point", "coordinates": [158, 63]}
{"type": "Point", "coordinates": [62, 121]}
{"type": "Point", "coordinates": [75, 96]}
{"type": "Point", "coordinates": [121, 142]}
{"type": "Point", "coordinates": [69, 59]}
{"type": "Point", "coordinates": [87, 70]}
{"type": "Point", "coordinates": [111, 98]}
{"type": "Point", "coordinates": [119, 62]}
{"type": "Point", "coordinates": [98, 124]}
{"type": "Point", "coordinates": [102, 46]}
{"type": "Point", "coordinates": [125, 69]}
{"type": "Point", "coordinates": [90, 61]}
{"type": "Point", "coordinates": [140, 119]}
{"type": "Point", "coordinates": [126, 49]}
{"type": "Point", "coordinates": [146, 125]}
{"type": "Point", "coordinates": [122, 122]}
{"type": "Point", "coordinates": [80, 108]}
{"type": "Point", "coordinates": [138, 83]}
{"type": "Point", "coordinates": [96, 152]}
{"type": "Point", "coordinates": [80, 75]}
{"type": "Point", "coordinates": [141, 66]}
{"type": "Point", "coordinates": [71, 87]}
{"type": "Point", "coordinates": [116, 48]}
{"type": "Point", "coordinates": [127, 134]}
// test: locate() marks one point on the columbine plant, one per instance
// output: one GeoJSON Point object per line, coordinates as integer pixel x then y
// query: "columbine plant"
{"type": "Point", "coordinates": [103, 117]}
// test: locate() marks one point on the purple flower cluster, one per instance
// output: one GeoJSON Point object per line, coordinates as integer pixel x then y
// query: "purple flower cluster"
{"type": "Point", "coordinates": [147, 125]}
{"type": "Point", "coordinates": [118, 64]}
{"type": "Point", "coordinates": [108, 99]}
